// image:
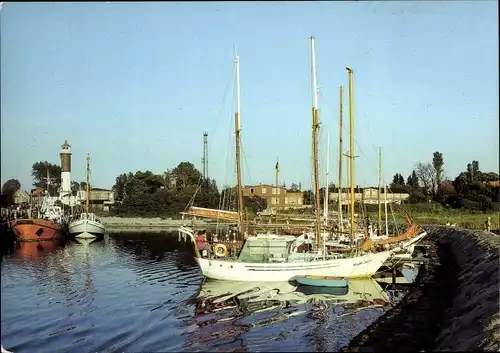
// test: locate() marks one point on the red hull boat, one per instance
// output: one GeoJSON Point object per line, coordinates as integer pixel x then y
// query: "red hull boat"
{"type": "Point", "coordinates": [36, 230]}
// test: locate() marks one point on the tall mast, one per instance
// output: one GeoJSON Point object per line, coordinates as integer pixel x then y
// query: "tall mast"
{"type": "Point", "coordinates": [379, 227]}
{"type": "Point", "coordinates": [237, 134]}
{"type": "Point", "coordinates": [277, 198]}
{"type": "Point", "coordinates": [87, 187]}
{"type": "Point", "coordinates": [325, 202]}
{"type": "Point", "coordinates": [315, 129]}
{"type": "Point", "coordinates": [341, 92]}
{"type": "Point", "coordinates": [351, 150]}
{"type": "Point", "coordinates": [385, 211]}
{"type": "Point", "coordinates": [347, 190]}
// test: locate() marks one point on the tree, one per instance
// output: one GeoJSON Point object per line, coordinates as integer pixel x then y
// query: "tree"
{"type": "Point", "coordinates": [461, 183]}
{"type": "Point", "coordinates": [470, 173]}
{"type": "Point", "coordinates": [398, 182]}
{"type": "Point", "coordinates": [426, 175]}
{"type": "Point", "coordinates": [294, 188]}
{"type": "Point", "coordinates": [307, 197]}
{"type": "Point", "coordinates": [119, 187]}
{"type": "Point", "coordinates": [9, 189]}
{"type": "Point", "coordinates": [445, 190]}
{"type": "Point", "coordinates": [412, 181]}
{"type": "Point", "coordinates": [438, 163]}
{"type": "Point", "coordinates": [475, 171]}
{"type": "Point", "coordinates": [144, 193]}
{"type": "Point", "coordinates": [186, 174]}
{"type": "Point", "coordinates": [40, 171]}
{"type": "Point", "coordinates": [75, 186]}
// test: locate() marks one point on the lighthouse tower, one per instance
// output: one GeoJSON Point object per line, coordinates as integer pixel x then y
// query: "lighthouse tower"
{"type": "Point", "coordinates": [65, 168]}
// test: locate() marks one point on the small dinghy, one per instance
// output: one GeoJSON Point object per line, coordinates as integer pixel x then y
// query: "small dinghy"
{"type": "Point", "coordinates": [322, 281]}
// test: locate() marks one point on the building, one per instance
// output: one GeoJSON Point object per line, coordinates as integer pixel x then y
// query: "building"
{"type": "Point", "coordinates": [99, 198]}
{"type": "Point", "coordinates": [275, 196]}
{"type": "Point", "coordinates": [370, 196]}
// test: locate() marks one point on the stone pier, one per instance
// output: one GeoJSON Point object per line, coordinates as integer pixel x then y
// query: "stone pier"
{"type": "Point", "coordinates": [454, 305]}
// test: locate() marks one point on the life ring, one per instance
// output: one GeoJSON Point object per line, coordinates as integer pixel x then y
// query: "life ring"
{"type": "Point", "coordinates": [220, 250]}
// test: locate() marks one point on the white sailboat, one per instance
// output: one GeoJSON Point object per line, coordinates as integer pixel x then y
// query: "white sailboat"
{"type": "Point", "coordinates": [88, 225]}
{"type": "Point", "coordinates": [271, 258]}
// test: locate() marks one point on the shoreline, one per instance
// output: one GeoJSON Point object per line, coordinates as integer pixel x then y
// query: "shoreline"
{"type": "Point", "coordinates": [452, 306]}
{"type": "Point", "coordinates": [147, 225]}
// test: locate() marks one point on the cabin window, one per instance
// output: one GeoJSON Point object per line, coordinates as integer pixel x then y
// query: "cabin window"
{"type": "Point", "coordinates": [264, 250]}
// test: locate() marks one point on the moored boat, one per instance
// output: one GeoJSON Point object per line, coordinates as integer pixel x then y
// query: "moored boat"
{"type": "Point", "coordinates": [322, 281]}
{"type": "Point", "coordinates": [88, 225]}
{"type": "Point", "coordinates": [36, 229]}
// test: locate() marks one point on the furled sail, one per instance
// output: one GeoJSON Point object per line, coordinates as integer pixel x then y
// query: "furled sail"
{"type": "Point", "coordinates": [213, 213]}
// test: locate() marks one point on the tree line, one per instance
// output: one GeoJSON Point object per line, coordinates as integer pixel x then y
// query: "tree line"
{"type": "Point", "coordinates": [145, 193]}
{"type": "Point", "coordinates": [169, 194]}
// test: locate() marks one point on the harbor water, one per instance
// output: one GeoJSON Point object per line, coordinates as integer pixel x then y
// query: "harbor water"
{"type": "Point", "coordinates": [138, 293]}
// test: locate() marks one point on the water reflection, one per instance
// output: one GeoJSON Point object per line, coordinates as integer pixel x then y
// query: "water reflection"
{"type": "Point", "coordinates": [142, 293]}
{"type": "Point", "coordinates": [230, 312]}
{"type": "Point", "coordinates": [36, 249]}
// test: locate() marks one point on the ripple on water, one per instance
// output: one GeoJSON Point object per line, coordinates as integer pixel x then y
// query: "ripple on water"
{"type": "Point", "coordinates": [117, 295]}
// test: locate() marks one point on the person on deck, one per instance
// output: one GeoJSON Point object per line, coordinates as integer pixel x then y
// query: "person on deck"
{"type": "Point", "coordinates": [201, 242]}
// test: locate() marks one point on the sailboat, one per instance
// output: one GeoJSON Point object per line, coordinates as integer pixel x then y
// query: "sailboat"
{"type": "Point", "coordinates": [87, 226]}
{"type": "Point", "coordinates": [270, 258]}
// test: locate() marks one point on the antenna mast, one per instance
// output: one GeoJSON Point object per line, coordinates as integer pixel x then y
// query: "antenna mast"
{"type": "Point", "coordinates": [204, 160]}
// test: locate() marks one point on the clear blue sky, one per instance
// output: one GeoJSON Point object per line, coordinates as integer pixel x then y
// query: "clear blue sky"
{"type": "Point", "coordinates": [137, 84]}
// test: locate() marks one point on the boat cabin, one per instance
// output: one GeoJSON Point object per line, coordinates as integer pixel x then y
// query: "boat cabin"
{"type": "Point", "coordinates": [274, 249]}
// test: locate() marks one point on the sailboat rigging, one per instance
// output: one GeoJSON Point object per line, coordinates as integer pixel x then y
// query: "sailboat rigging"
{"type": "Point", "coordinates": [275, 257]}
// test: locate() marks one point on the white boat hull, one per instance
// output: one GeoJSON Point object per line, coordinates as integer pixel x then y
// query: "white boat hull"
{"type": "Point", "coordinates": [357, 267]}
{"type": "Point", "coordinates": [86, 228]}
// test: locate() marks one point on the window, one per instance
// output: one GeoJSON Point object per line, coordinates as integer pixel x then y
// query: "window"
{"type": "Point", "coordinates": [251, 190]}
{"type": "Point", "coordinates": [264, 190]}
{"type": "Point", "coordinates": [286, 200]}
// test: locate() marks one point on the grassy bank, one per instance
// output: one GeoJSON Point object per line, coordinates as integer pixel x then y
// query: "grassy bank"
{"type": "Point", "coordinates": [462, 219]}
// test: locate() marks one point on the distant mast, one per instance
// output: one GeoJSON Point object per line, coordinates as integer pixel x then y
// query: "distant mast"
{"type": "Point", "coordinates": [87, 187]}
{"type": "Point", "coordinates": [341, 90]}
{"type": "Point", "coordinates": [277, 198]}
{"type": "Point", "coordinates": [379, 226]}
{"type": "Point", "coordinates": [351, 151]}
{"type": "Point", "coordinates": [315, 129]}
{"type": "Point", "coordinates": [237, 133]}
{"type": "Point", "coordinates": [325, 201]}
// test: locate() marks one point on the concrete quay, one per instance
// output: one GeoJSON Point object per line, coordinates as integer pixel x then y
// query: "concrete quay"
{"type": "Point", "coordinates": [453, 305]}
{"type": "Point", "coordinates": [145, 225]}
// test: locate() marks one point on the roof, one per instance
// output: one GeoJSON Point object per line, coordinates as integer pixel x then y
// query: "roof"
{"type": "Point", "coordinates": [264, 185]}
{"type": "Point", "coordinates": [66, 144]}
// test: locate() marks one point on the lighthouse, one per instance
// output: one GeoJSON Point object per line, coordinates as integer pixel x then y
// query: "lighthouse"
{"type": "Point", "coordinates": [65, 168]}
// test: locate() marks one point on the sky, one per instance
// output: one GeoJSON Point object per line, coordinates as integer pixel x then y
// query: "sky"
{"type": "Point", "coordinates": [137, 84]}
